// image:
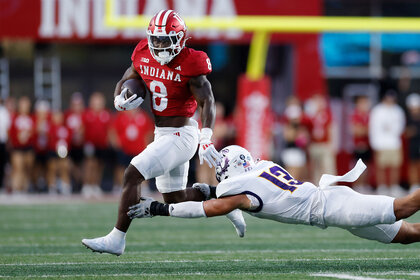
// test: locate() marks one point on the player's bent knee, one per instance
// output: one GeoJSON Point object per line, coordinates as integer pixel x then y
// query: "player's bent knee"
{"type": "Point", "coordinates": [132, 176]}
{"type": "Point", "coordinates": [404, 207]}
{"type": "Point", "coordinates": [408, 233]}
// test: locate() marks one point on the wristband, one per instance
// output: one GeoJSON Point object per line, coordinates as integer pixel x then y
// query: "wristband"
{"type": "Point", "coordinates": [159, 209]}
{"type": "Point", "coordinates": [206, 133]}
{"type": "Point", "coordinates": [212, 191]}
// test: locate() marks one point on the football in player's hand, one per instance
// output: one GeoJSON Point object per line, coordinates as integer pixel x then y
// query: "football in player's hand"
{"type": "Point", "coordinates": [135, 86]}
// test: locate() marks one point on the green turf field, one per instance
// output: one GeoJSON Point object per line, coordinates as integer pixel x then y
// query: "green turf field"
{"type": "Point", "coordinates": [43, 241]}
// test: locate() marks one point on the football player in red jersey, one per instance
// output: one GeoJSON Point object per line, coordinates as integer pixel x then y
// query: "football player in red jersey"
{"type": "Point", "coordinates": [175, 76]}
{"type": "Point", "coordinates": [22, 137]}
{"type": "Point", "coordinates": [96, 121]}
{"type": "Point", "coordinates": [58, 165]}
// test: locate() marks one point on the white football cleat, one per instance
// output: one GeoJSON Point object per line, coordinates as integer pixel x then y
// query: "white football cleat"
{"type": "Point", "coordinates": [105, 244]}
{"type": "Point", "coordinates": [238, 221]}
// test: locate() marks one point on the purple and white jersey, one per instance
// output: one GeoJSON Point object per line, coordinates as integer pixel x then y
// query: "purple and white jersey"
{"type": "Point", "coordinates": [281, 197]}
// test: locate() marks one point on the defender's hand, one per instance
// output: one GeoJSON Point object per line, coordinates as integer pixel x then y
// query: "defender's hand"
{"type": "Point", "coordinates": [204, 189]}
{"type": "Point", "coordinates": [142, 209]}
{"type": "Point", "coordinates": [122, 104]}
{"type": "Point", "coordinates": [207, 151]}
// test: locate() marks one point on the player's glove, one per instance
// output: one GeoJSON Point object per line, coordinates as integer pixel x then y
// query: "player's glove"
{"type": "Point", "coordinates": [208, 191]}
{"type": "Point", "coordinates": [203, 188]}
{"type": "Point", "coordinates": [142, 209]}
{"type": "Point", "coordinates": [207, 151]}
{"type": "Point", "coordinates": [122, 104]}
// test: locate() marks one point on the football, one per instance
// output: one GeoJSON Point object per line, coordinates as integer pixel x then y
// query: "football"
{"type": "Point", "coordinates": [135, 86]}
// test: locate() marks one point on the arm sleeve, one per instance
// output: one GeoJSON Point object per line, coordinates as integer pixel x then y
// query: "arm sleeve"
{"type": "Point", "coordinates": [228, 188]}
{"type": "Point", "coordinates": [188, 209]}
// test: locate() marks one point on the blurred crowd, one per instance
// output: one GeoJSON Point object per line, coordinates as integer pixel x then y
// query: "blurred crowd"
{"type": "Point", "coordinates": [85, 149]}
{"type": "Point", "coordinates": [386, 136]}
{"type": "Point", "coordinates": [67, 151]}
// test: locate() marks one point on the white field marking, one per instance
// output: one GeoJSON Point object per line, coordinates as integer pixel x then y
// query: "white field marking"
{"type": "Point", "coordinates": [339, 276]}
{"type": "Point", "coordinates": [145, 274]}
{"type": "Point", "coordinates": [202, 261]}
{"type": "Point", "coordinates": [344, 276]}
{"type": "Point", "coordinates": [394, 273]}
{"type": "Point", "coordinates": [280, 251]}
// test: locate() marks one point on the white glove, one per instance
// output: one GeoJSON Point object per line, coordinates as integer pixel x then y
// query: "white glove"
{"type": "Point", "coordinates": [122, 104]}
{"type": "Point", "coordinates": [207, 151]}
{"type": "Point", "coordinates": [142, 209]}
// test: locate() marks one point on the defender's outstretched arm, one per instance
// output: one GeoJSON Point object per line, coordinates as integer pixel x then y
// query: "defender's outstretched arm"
{"type": "Point", "coordinates": [190, 209]}
{"type": "Point", "coordinates": [224, 205]}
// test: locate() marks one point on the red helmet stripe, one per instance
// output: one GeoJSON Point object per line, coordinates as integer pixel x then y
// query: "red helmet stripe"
{"type": "Point", "coordinates": [165, 17]}
{"type": "Point", "coordinates": [158, 19]}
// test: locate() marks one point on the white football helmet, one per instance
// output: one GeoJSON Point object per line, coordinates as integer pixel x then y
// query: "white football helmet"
{"type": "Point", "coordinates": [235, 160]}
{"type": "Point", "coordinates": [166, 36]}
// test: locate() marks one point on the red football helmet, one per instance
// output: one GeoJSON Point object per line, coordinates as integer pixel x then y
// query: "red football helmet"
{"type": "Point", "coordinates": [166, 35]}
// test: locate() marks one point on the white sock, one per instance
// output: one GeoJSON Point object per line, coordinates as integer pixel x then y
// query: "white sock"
{"type": "Point", "coordinates": [117, 234]}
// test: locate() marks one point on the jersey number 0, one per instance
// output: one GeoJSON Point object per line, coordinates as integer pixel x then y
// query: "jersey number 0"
{"type": "Point", "coordinates": [158, 89]}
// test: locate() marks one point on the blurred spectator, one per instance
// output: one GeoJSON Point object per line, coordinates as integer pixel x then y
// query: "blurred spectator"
{"type": "Point", "coordinates": [4, 129]}
{"type": "Point", "coordinates": [413, 135]}
{"type": "Point", "coordinates": [96, 121]}
{"type": "Point", "coordinates": [42, 120]}
{"type": "Point", "coordinates": [58, 161]}
{"type": "Point", "coordinates": [21, 138]}
{"type": "Point", "coordinates": [296, 137]}
{"type": "Point", "coordinates": [205, 174]}
{"type": "Point", "coordinates": [132, 132]}
{"type": "Point", "coordinates": [360, 133]}
{"type": "Point", "coordinates": [386, 125]}
{"type": "Point", "coordinates": [74, 122]}
{"type": "Point", "coordinates": [321, 150]}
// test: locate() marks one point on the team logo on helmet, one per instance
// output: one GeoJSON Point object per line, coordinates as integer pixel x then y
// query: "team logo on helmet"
{"type": "Point", "coordinates": [235, 160]}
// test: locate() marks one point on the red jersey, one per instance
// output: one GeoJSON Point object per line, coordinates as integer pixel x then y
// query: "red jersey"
{"type": "Point", "coordinates": [168, 84]}
{"type": "Point", "coordinates": [302, 125]}
{"type": "Point", "coordinates": [59, 136]}
{"type": "Point", "coordinates": [22, 131]}
{"type": "Point", "coordinates": [42, 134]}
{"type": "Point", "coordinates": [74, 122]}
{"type": "Point", "coordinates": [320, 126]}
{"type": "Point", "coordinates": [96, 127]}
{"type": "Point", "coordinates": [131, 130]}
{"type": "Point", "coordinates": [361, 119]}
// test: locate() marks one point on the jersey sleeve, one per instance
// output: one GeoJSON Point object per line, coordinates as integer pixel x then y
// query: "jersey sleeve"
{"type": "Point", "coordinates": [140, 47]}
{"type": "Point", "coordinates": [227, 188]}
{"type": "Point", "coordinates": [199, 64]}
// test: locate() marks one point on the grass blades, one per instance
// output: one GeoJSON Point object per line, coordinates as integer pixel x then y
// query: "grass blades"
{"type": "Point", "coordinates": [44, 242]}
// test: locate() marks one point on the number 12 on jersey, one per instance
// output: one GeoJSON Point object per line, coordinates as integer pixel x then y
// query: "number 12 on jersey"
{"type": "Point", "coordinates": [281, 178]}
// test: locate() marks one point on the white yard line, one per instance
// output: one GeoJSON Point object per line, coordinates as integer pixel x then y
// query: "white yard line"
{"type": "Point", "coordinates": [225, 251]}
{"type": "Point", "coordinates": [202, 261]}
{"type": "Point", "coordinates": [280, 251]}
{"type": "Point", "coordinates": [141, 275]}
{"type": "Point", "coordinates": [344, 276]}
{"type": "Point", "coordinates": [331, 275]}
{"type": "Point", "coordinates": [394, 273]}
